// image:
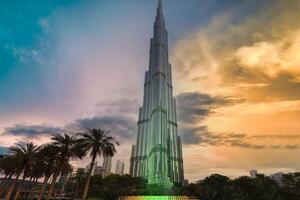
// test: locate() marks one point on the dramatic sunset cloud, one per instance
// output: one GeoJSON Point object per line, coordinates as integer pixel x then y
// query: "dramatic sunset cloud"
{"type": "Point", "coordinates": [254, 60]}
{"type": "Point", "coordinates": [71, 65]}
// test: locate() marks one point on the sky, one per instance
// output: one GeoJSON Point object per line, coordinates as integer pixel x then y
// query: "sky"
{"type": "Point", "coordinates": [66, 65]}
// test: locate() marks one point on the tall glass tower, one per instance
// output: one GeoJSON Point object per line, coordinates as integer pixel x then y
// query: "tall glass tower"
{"type": "Point", "coordinates": [157, 155]}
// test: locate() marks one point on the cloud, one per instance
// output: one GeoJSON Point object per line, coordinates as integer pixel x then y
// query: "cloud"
{"type": "Point", "coordinates": [31, 131]}
{"type": "Point", "coordinates": [250, 57]}
{"type": "Point", "coordinates": [121, 127]}
{"type": "Point", "coordinates": [192, 136]}
{"type": "Point", "coordinates": [44, 23]}
{"type": "Point", "coordinates": [195, 106]}
{"type": "Point", "coordinates": [122, 106]}
{"type": "Point", "coordinates": [202, 136]}
{"type": "Point", "coordinates": [27, 55]}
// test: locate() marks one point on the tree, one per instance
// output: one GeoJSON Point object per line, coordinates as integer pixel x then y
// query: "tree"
{"type": "Point", "coordinates": [25, 175]}
{"type": "Point", "coordinates": [214, 187]}
{"type": "Point", "coordinates": [98, 143]}
{"type": "Point", "coordinates": [80, 175]}
{"type": "Point", "coordinates": [23, 154]}
{"type": "Point", "coordinates": [66, 148]}
{"type": "Point", "coordinates": [47, 159]}
{"type": "Point", "coordinates": [6, 168]}
{"type": "Point", "coordinates": [246, 188]}
{"type": "Point", "coordinates": [288, 180]}
{"type": "Point", "coordinates": [113, 186]}
{"type": "Point", "coordinates": [66, 170]}
{"type": "Point", "coordinates": [36, 172]}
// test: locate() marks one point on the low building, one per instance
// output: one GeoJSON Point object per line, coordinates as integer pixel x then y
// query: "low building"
{"type": "Point", "coordinates": [27, 187]}
{"type": "Point", "coordinates": [100, 170]}
{"type": "Point", "coordinates": [103, 170]}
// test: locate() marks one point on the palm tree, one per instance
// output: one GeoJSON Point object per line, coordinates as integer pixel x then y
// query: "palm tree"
{"type": "Point", "coordinates": [38, 169]}
{"type": "Point", "coordinates": [48, 159]}
{"type": "Point", "coordinates": [66, 171]}
{"type": "Point", "coordinates": [25, 175]}
{"type": "Point", "coordinates": [23, 154]}
{"type": "Point", "coordinates": [67, 149]}
{"type": "Point", "coordinates": [98, 143]}
{"type": "Point", "coordinates": [5, 168]}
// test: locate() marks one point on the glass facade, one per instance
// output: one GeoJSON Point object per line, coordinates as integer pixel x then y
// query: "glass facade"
{"type": "Point", "coordinates": [157, 154]}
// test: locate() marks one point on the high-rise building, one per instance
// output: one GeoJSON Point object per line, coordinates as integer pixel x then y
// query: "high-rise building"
{"type": "Point", "coordinates": [120, 167]}
{"type": "Point", "coordinates": [107, 163]}
{"type": "Point", "coordinates": [253, 173]}
{"type": "Point", "coordinates": [157, 155]}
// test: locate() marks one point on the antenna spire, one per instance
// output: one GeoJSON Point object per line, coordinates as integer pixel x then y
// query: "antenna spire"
{"type": "Point", "coordinates": [159, 15]}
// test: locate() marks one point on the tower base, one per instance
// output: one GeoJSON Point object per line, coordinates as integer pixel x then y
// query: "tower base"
{"type": "Point", "coordinates": [163, 188]}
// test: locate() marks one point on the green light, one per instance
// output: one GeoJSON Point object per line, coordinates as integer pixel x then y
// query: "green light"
{"type": "Point", "coordinates": [155, 198]}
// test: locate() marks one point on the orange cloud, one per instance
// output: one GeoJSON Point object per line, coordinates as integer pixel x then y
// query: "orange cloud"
{"type": "Point", "coordinates": [257, 60]}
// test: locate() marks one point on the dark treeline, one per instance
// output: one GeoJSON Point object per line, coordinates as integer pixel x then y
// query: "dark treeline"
{"type": "Point", "coordinates": [109, 188]}
{"type": "Point", "coordinates": [218, 187]}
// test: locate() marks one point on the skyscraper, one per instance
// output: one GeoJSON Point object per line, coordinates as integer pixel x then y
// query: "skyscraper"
{"type": "Point", "coordinates": [157, 155]}
{"type": "Point", "coordinates": [253, 173]}
{"type": "Point", "coordinates": [107, 164]}
{"type": "Point", "coordinates": [120, 167]}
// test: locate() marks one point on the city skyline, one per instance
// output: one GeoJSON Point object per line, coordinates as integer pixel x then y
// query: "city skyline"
{"type": "Point", "coordinates": [73, 64]}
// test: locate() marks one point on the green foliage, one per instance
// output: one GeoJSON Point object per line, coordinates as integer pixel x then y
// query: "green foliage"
{"type": "Point", "coordinates": [75, 185]}
{"type": "Point", "coordinates": [218, 187]}
{"type": "Point", "coordinates": [153, 189]}
{"type": "Point", "coordinates": [113, 186]}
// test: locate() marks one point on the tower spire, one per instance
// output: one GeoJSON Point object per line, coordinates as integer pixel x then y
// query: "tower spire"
{"type": "Point", "coordinates": [159, 14]}
{"type": "Point", "coordinates": [159, 4]}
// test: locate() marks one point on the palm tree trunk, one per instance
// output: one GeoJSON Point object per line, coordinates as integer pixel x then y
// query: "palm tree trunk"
{"type": "Point", "coordinates": [76, 190]}
{"type": "Point", "coordinates": [2, 184]}
{"type": "Point", "coordinates": [2, 188]}
{"type": "Point", "coordinates": [31, 193]}
{"type": "Point", "coordinates": [55, 175]}
{"type": "Point", "coordinates": [43, 187]}
{"type": "Point", "coordinates": [3, 179]}
{"type": "Point", "coordinates": [32, 188]}
{"type": "Point", "coordinates": [87, 183]}
{"type": "Point", "coordinates": [63, 186]}
{"type": "Point", "coordinates": [20, 188]}
{"type": "Point", "coordinates": [11, 189]}
{"type": "Point", "coordinates": [17, 193]}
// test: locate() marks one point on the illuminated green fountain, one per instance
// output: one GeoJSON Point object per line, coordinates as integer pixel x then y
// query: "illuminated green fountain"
{"type": "Point", "coordinates": [157, 155]}
{"type": "Point", "coordinates": [156, 198]}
